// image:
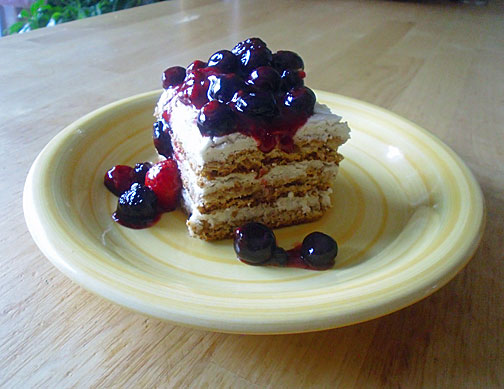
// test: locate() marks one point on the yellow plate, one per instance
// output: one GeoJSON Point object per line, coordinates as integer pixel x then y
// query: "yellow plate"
{"type": "Point", "coordinates": [407, 215]}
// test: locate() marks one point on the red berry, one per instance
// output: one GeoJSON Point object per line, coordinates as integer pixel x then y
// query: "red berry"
{"type": "Point", "coordinates": [163, 178]}
{"type": "Point", "coordinates": [119, 179]}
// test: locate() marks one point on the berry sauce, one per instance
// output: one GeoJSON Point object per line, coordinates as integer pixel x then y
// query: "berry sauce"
{"type": "Point", "coordinates": [263, 93]}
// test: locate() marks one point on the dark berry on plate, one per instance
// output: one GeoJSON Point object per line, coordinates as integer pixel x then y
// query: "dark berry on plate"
{"type": "Point", "coordinates": [162, 139]}
{"type": "Point", "coordinates": [164, 180]}
{"type": "Point", "coordinates": [258, 103]}
{"type": "Point", "coordinates": [284, 59]}
{"type": "Point", "coordinates": [224, 86]}
{"type": "Point", "coordinates": [292, 79]}
{"type": "Point", "coordinates": [141, 170]}
{"type": "Point", "coordinates": [318, 250]}
{"type": "Point", "coordinates": [137, 207]}
{"type": "Point", "coordinates": [195, 65]}
{"type": "Point", "coordinates": [254, 243]}
{"type": "Point", "coordinates": [253, 58]}
{"type": "Point", "coordinates": [216, 119]}
{"type": "Point", "coordinates": [265, 77]}
{"type": "Point", "coordinates": [119, 179]}
{"type": "Point", "coordinates": [224, 60]}
{"type": "Point", "coordinates": [300, 100]}
{"type": "Point", "coordinates": [250, 43]}
{"type": "Point", "coordinates": [280, 257]}
{"type": "Point", "coordinates": [173, 76]}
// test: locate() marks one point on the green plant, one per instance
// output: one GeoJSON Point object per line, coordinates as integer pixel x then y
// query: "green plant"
{"type": "Point", "coordinates": [46, 13]}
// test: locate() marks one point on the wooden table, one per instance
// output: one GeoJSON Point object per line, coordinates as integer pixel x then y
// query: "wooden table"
{"type": "Point", "coordinates": [440, 65]}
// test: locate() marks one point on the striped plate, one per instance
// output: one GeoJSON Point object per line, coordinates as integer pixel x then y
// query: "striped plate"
{"type": "Point", "coordinates": [408, 215]}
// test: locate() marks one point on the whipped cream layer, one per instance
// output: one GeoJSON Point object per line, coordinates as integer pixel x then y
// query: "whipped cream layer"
{"type": "Point", "coordinates": [322, 125]}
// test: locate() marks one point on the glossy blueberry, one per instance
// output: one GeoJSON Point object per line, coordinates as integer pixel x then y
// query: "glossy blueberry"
{"type": "Point", "coordinates": [141, 170]}
{"type": "Point", "coordinates": [266, 78]}
{"type": "Point", "coordinates": [254, 243]}
{"type": "Point", "coordinates": [216, 119]}
{"type": "Point", "coordinates": [253, 58]}
{"type": "Point", "coordinates": [318, 250]}
{"type": "Point", "coordinates": [258, 103]}
{"type": "Point", "coordinates": [173, 76]}
{"type": "Point", "coordinates": [162, 139]}
{"type": "Point", "coordinates": [224, 60]}
{"type": "Point", "coordinates": [291, 79]}
{"type": "Point", "coordinates": [284, 59]}
{"type": "Point", "coordinates": [137, 206]}
{"type": "Point", "coordinates": [300, 100]}
{"type": "Point", "coordinates": [223, 87]}
{"type": "Point", "coordinates": [250, 43]}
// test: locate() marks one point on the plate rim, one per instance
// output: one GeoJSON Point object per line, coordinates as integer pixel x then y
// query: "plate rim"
{"type": "Point", "coordinates": [33, 220]}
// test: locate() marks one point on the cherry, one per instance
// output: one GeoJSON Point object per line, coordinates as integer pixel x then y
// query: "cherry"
{"type": "Point", "coordinates": [216, 119]}
{"type": "Point", "coordinates": [318, 250]}
{"type": "Point", "coordinates": [173, 76]}
{"type": "Point", "coordinates": [163, 179]}
{"type": "Point", "coordinates": [223, 87]}
{"type": "Point", "coordinates": [259, 103]}
{"type": "Point", "coordinates": [254, 243]}
{"type": "Point", "coordinates": [250, 43]}
{"type": "Point", "coordinates": [292, 79]}
{"type": "Point", "coordinates": [253, 58]}
{"type": "Point", "coordinates": [136, 208]}
{"type": "Point", "coordinates": [140, 170]}
{"type": "Point", "coordinates": [195, 65]}
{"type": "Point", "coordinates": [119, 179]}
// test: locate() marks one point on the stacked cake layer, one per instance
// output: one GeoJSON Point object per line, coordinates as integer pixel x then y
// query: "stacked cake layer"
{"type": "Point", "coordinates": [227, 180]}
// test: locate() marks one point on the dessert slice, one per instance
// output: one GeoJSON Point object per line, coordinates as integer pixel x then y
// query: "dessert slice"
{"type": "Point", "coordinates": [250, 140]}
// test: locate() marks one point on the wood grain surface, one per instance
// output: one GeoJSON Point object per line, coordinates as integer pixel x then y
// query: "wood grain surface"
{"type": "Point", "coordinates": [439, 64]}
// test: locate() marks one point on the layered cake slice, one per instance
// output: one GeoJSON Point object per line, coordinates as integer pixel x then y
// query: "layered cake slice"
{"type": "Point", "coordinates": [250, 140]}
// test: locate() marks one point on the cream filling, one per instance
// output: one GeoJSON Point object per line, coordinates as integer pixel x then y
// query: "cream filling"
{"type": "Point", "coordinates": [201, 187]}
{"type": "Point", "coordinates": [307, 204]}
{"type": "Point", "coordinates": [322, 125]}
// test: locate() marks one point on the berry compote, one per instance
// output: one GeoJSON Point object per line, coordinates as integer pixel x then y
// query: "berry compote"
{"type": "Point", "coordinates": [249, 90]}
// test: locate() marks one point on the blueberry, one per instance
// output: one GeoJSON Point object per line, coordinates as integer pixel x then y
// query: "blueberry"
{"type": "Point", "coordinates": [141, 170]}
{"type": "Point", "coordinates": [300, 100]}
{"type": "Point", "coordinates": [284, 59]}
{"type": "Point", "coordinates": [280, 256]}
{"type": "Point", "coordinates": [137, 206]}
{"type": "Point", "coordinates": [265, 77]}
{"type": "Point", "coordinates": [253, 58]}
{"type": "Point", "coordinates": [223, 87]}
{"type": "Point", "coordinates": [250, 43]}
{"type": "Point", "coordinates": [258, 103]}
{"type": "Point", "coordinates": [224, 60]}
{"type": "Point", "coordinates": [254, 243]}
{"type": "Point", "coordinates": [291, 79]}
{"type": "Point", "coordinates": [216, 119]}
{"type": "Point", "coordinates": [319, 250]}
{"type": "Point", "coordinates": [162, 139]}
{"type": "Point", "coordinates": [173, 76]}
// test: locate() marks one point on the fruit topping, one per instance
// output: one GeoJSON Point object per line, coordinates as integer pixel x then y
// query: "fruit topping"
{"type": "Point", "coordinates": [250, 43]}
{"type": "Point", "coordinates": [254, 243]}
{"type": "Point", "coordinates": [141, 170]}
{"type": "Point", "coordinates": [137, 207]}
{"type": "Point", "coordinates": [266, 78]}
{"type": "Point", "coordinates": [224, 60]}
{"type": "Point", "coordinates": [162, 139]}
{"type": "Point", "coordinates": [173, 76]}
{"type": "Point", "coordinates": [224, 86]}
{"type": "Point", "coordinates": [319, 250]}
{"type": "Point", "coordinates": [195, 65]}
{"type": "Point", "coordinates": [164, 181]}
{"type": "Point", "coordinates": [300, 100]}
{"type": "Point", "coordinates": [284, 59]}
{"type": "Point", "coordinates": [259, 103]}
{"type": "Point", "coordinates": [292, 79]}
{"type": "Point", "coordinates": [216, 119]}
{"type": "Point", "coordinates": [119, 179]}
